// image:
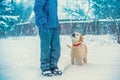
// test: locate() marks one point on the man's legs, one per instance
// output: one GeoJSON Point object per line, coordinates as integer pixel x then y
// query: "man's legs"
{"type": "Point", "coordinates": [45, 50]}
{"type": "Point", "coordinates": [55, 48]}
{"type": "Point", "coordinates": [55, 52]}
{"type": "Point", "coordinates": [50, 51]}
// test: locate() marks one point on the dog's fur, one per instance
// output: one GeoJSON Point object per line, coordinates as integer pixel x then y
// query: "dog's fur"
{"type": "Point", "coordinates": [78, 49]}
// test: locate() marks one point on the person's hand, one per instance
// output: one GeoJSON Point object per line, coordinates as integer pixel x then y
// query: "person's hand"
{"type": "Point", "coordinates": [44, 27]}
{"type": "Point", "coordinates": [59, 28]}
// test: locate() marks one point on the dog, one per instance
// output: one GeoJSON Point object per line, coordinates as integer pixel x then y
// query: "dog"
{"type": "Point", "coordinates": [78, 49]}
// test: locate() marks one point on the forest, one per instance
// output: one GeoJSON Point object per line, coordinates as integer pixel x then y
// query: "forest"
{"type": "Point", "coordinates": [94, 17]}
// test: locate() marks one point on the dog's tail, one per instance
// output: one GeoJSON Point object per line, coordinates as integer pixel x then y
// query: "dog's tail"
{"type": "Point", "coordinates": [68, 46]}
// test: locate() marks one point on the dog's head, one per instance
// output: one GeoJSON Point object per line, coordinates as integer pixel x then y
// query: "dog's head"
{"type": "Point", "coordinates": [77, 38]}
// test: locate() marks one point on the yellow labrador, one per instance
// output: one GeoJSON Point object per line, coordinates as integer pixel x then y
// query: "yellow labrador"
{"type": "Point", "coordinates": [78, 49]}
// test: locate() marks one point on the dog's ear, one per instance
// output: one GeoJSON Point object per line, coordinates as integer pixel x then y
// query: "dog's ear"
{"type": "Point", "coordinates": [81, 38]}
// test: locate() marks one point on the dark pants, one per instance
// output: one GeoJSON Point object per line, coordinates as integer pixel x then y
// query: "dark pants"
{"type": "Point", "coordinates": [50, 48]}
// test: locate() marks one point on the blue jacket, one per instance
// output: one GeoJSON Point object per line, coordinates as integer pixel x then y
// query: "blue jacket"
{"type": "Point", "coordinates": [46, 13]}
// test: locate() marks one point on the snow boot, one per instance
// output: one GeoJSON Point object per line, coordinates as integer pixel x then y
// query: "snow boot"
{"type": "Point", "coordinates": [56, 72]}
{"type": "Point", "coordinates": [47, 73]}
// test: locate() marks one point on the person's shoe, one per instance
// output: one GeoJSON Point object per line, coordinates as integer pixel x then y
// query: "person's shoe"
{"type": "Point", "coordinates": [56, 72]}
{"type": "Point", "coordinates": [47, 73]}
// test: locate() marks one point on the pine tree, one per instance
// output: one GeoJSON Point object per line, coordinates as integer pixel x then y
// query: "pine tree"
{"type": "Point", "coordinates": [7, 19]}
{"type": "Point", "coordinates": [106, 9]}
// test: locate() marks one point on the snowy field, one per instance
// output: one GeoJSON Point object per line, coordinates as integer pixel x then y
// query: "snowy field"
{"type": "Point", "coordinates": [19, 59]}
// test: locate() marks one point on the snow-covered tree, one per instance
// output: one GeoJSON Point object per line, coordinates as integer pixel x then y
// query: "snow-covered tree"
{"type": "Point", "coordinates": [6, 8]}
{"type": "Point", "coordinates": [91, 9]}
{"type": "Point", "coordinates": [23, 9]}
{"type": "Point", "coordinates": [7, 19]}
{"type": "Point", "coordinates": [78, 9]}
{"type": "Point", "coordinates": [106, 9]}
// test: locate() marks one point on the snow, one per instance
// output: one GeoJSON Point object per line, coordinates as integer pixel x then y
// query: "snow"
{"type": "Point", "coordinates": [19, 59]}
{"type": "Point", "coordinates": [73, 5]}
{"type": "Point", "coordinates": [88, 21]}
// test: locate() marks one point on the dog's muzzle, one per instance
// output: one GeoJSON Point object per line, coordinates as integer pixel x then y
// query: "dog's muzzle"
{"type": "Point", "coordinates": [73, 35]}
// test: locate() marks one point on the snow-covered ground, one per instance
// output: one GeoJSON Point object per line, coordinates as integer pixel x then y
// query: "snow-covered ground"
{"type": "Point", "coordinates": [19, 59]}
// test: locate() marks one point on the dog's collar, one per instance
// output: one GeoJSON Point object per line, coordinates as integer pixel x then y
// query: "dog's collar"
{"type": "Point", "coordinates": [76, 44]}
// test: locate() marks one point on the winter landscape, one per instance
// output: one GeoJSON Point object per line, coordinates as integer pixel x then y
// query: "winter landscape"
{"type": "Point", "coordinates": [97, 20]}
{"type": "Point", "coordinates": [19, 59]}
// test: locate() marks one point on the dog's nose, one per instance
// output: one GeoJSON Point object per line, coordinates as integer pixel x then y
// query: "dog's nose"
{"type": "Point", "coordinates": [73, 35]}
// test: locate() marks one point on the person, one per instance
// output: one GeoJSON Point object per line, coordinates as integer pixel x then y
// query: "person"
{"type": "Point", "coordinates": [46, 19]}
